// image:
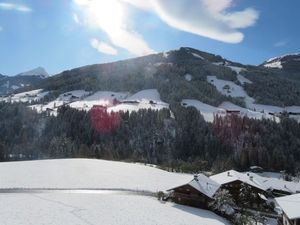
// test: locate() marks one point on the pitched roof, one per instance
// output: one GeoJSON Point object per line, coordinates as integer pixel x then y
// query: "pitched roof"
{"type": "Point", "coordinates": [204, 185]}
{"type": "Point", "coordinates": [290, 205]}
{"type": "Point", "coordinates": [277, 184]}
{"type": "Point", "coordinates": [232, 175]}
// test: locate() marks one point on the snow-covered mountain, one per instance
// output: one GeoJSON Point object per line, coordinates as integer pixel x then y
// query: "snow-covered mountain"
{"type": "Point", "coordinates": [9, 84]}
{"type": "Point", "coordinates": [39, 71]}
{"type": "Point", "coordinates": [290, 62]}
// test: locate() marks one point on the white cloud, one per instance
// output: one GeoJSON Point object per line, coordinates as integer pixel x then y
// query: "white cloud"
{"type": "Point", "coordinates": [215, 19]}
{"type": "Point", "coordinates": [103, 47]}
{"type": "Point", "coordinates": [208, 18]}
{"type": "Point", "coordinates": [110, 17]}
{"type": "Point", "coordinates": [14, 7]}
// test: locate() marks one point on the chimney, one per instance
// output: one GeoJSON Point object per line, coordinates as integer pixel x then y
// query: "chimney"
{"type": "Point", "coordinates": [248, 174]}
{"type": "Point", "coordinates": [228, 173]}
{"type": "Point", "coordinates": [251, 178]}
{"type": "Point", "coordinates": [196, 177]}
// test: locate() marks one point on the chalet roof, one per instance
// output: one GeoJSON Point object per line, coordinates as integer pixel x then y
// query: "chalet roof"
{"type": "Point", "coordinates": [272, 183]}
{"type": "Point", "coordinates": [290, 205]}
{"type": "Point", "coordinates": [204, 185]}
{"type": "Point", "coordinates": [232, 175]}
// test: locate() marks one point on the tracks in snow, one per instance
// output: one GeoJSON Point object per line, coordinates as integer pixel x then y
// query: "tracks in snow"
{"type": "Point", "coordinates": [100, 191]}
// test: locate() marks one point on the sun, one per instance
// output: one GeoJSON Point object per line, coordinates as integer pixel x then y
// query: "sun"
{"type": "Point", "coordinates": [108, 14]}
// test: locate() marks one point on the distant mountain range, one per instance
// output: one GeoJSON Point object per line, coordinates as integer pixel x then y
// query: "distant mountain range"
{"type": "Point", "coordinates": [9, 84]}
{"type": "Point", "coordinates": [185, 73]}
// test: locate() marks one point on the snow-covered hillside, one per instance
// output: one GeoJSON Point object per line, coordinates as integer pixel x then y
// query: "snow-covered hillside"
{"type": "Point", "coordinates": [98, 209]}
{"type": "Point", "coordinates": [29, 96]}
{"type": "Point", "coordinates": [87, 173]}
{"type": "Point", "coordinates": [229, 88]}
{"type": "Point", "coordinates": [92, 207]}
{"type": "Point", "coordinates": [206, 110]}
{"type": "Point", "coordinates": [113, 101]}
{"type": "Point", "coordinates": [278, 62]}
{"type": "Point", "coordinates": [209, 112]}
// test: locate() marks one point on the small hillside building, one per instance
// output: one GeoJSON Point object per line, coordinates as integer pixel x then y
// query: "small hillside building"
{"type": "Point", "coordinates": [197, 193]}
{"type": "Point", "coordinates": [290, 206]}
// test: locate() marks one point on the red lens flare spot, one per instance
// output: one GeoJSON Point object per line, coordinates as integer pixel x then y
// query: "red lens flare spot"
{"type": "Point", "coordinates": [104, 122]}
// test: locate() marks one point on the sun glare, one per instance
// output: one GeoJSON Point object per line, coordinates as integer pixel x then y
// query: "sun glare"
{"type": "Point", "coordinates": [109, 15]}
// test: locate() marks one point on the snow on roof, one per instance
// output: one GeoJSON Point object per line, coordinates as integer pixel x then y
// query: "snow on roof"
{"type": "Point", "coordinates": [273, 183]}
{"type": "Point", "coordinates": [232, 175]}
{"type": "Point", "coordinates": [290, 205]}
{"type": "Point", "coordinates": [204, 185]}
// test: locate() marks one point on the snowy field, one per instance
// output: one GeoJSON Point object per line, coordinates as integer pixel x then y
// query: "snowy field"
{"type": "Point", "coordinates": [93, 208]}
{"type": "Point", "coordinates": [87, 173]}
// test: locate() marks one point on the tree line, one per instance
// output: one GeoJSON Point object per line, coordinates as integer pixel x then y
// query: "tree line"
{"type": "Point", "coordinates": [180, 141]}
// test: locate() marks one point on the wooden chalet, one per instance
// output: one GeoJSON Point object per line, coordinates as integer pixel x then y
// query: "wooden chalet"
{"type": "Point", "coordinates": [232, 181]}
{"type": "Point", "coordinates": [290, 206]}
{"type": "Point", "coordinates": [197, 193]}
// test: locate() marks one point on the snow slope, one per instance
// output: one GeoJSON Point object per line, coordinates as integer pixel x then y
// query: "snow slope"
{"type": "Point", "coordinates": [87, 173]}
{"type": "Point", "coordinates": [229, 88]}
{"type": "Point", "coordinates": [145, 99]}
{"type": "Point", "coordinates": [149, 94]}
{"type": "Point", "coordinates": [206, 110]}
{"type": "Point", "coordinates": [103, 98]}
{"type": "Point", "coordinates": [93, 209]}
{"type": "Point", "coordinates": [29, 96]}
{"type": "Point", "coordinates": [209, 111]}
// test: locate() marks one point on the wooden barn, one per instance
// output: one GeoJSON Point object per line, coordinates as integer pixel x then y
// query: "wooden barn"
{"type": "Point", "coordinates": [197, 193]}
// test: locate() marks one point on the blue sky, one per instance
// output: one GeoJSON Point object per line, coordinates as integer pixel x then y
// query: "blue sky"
{"type": "Point", "coordinates": [64, 34]}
